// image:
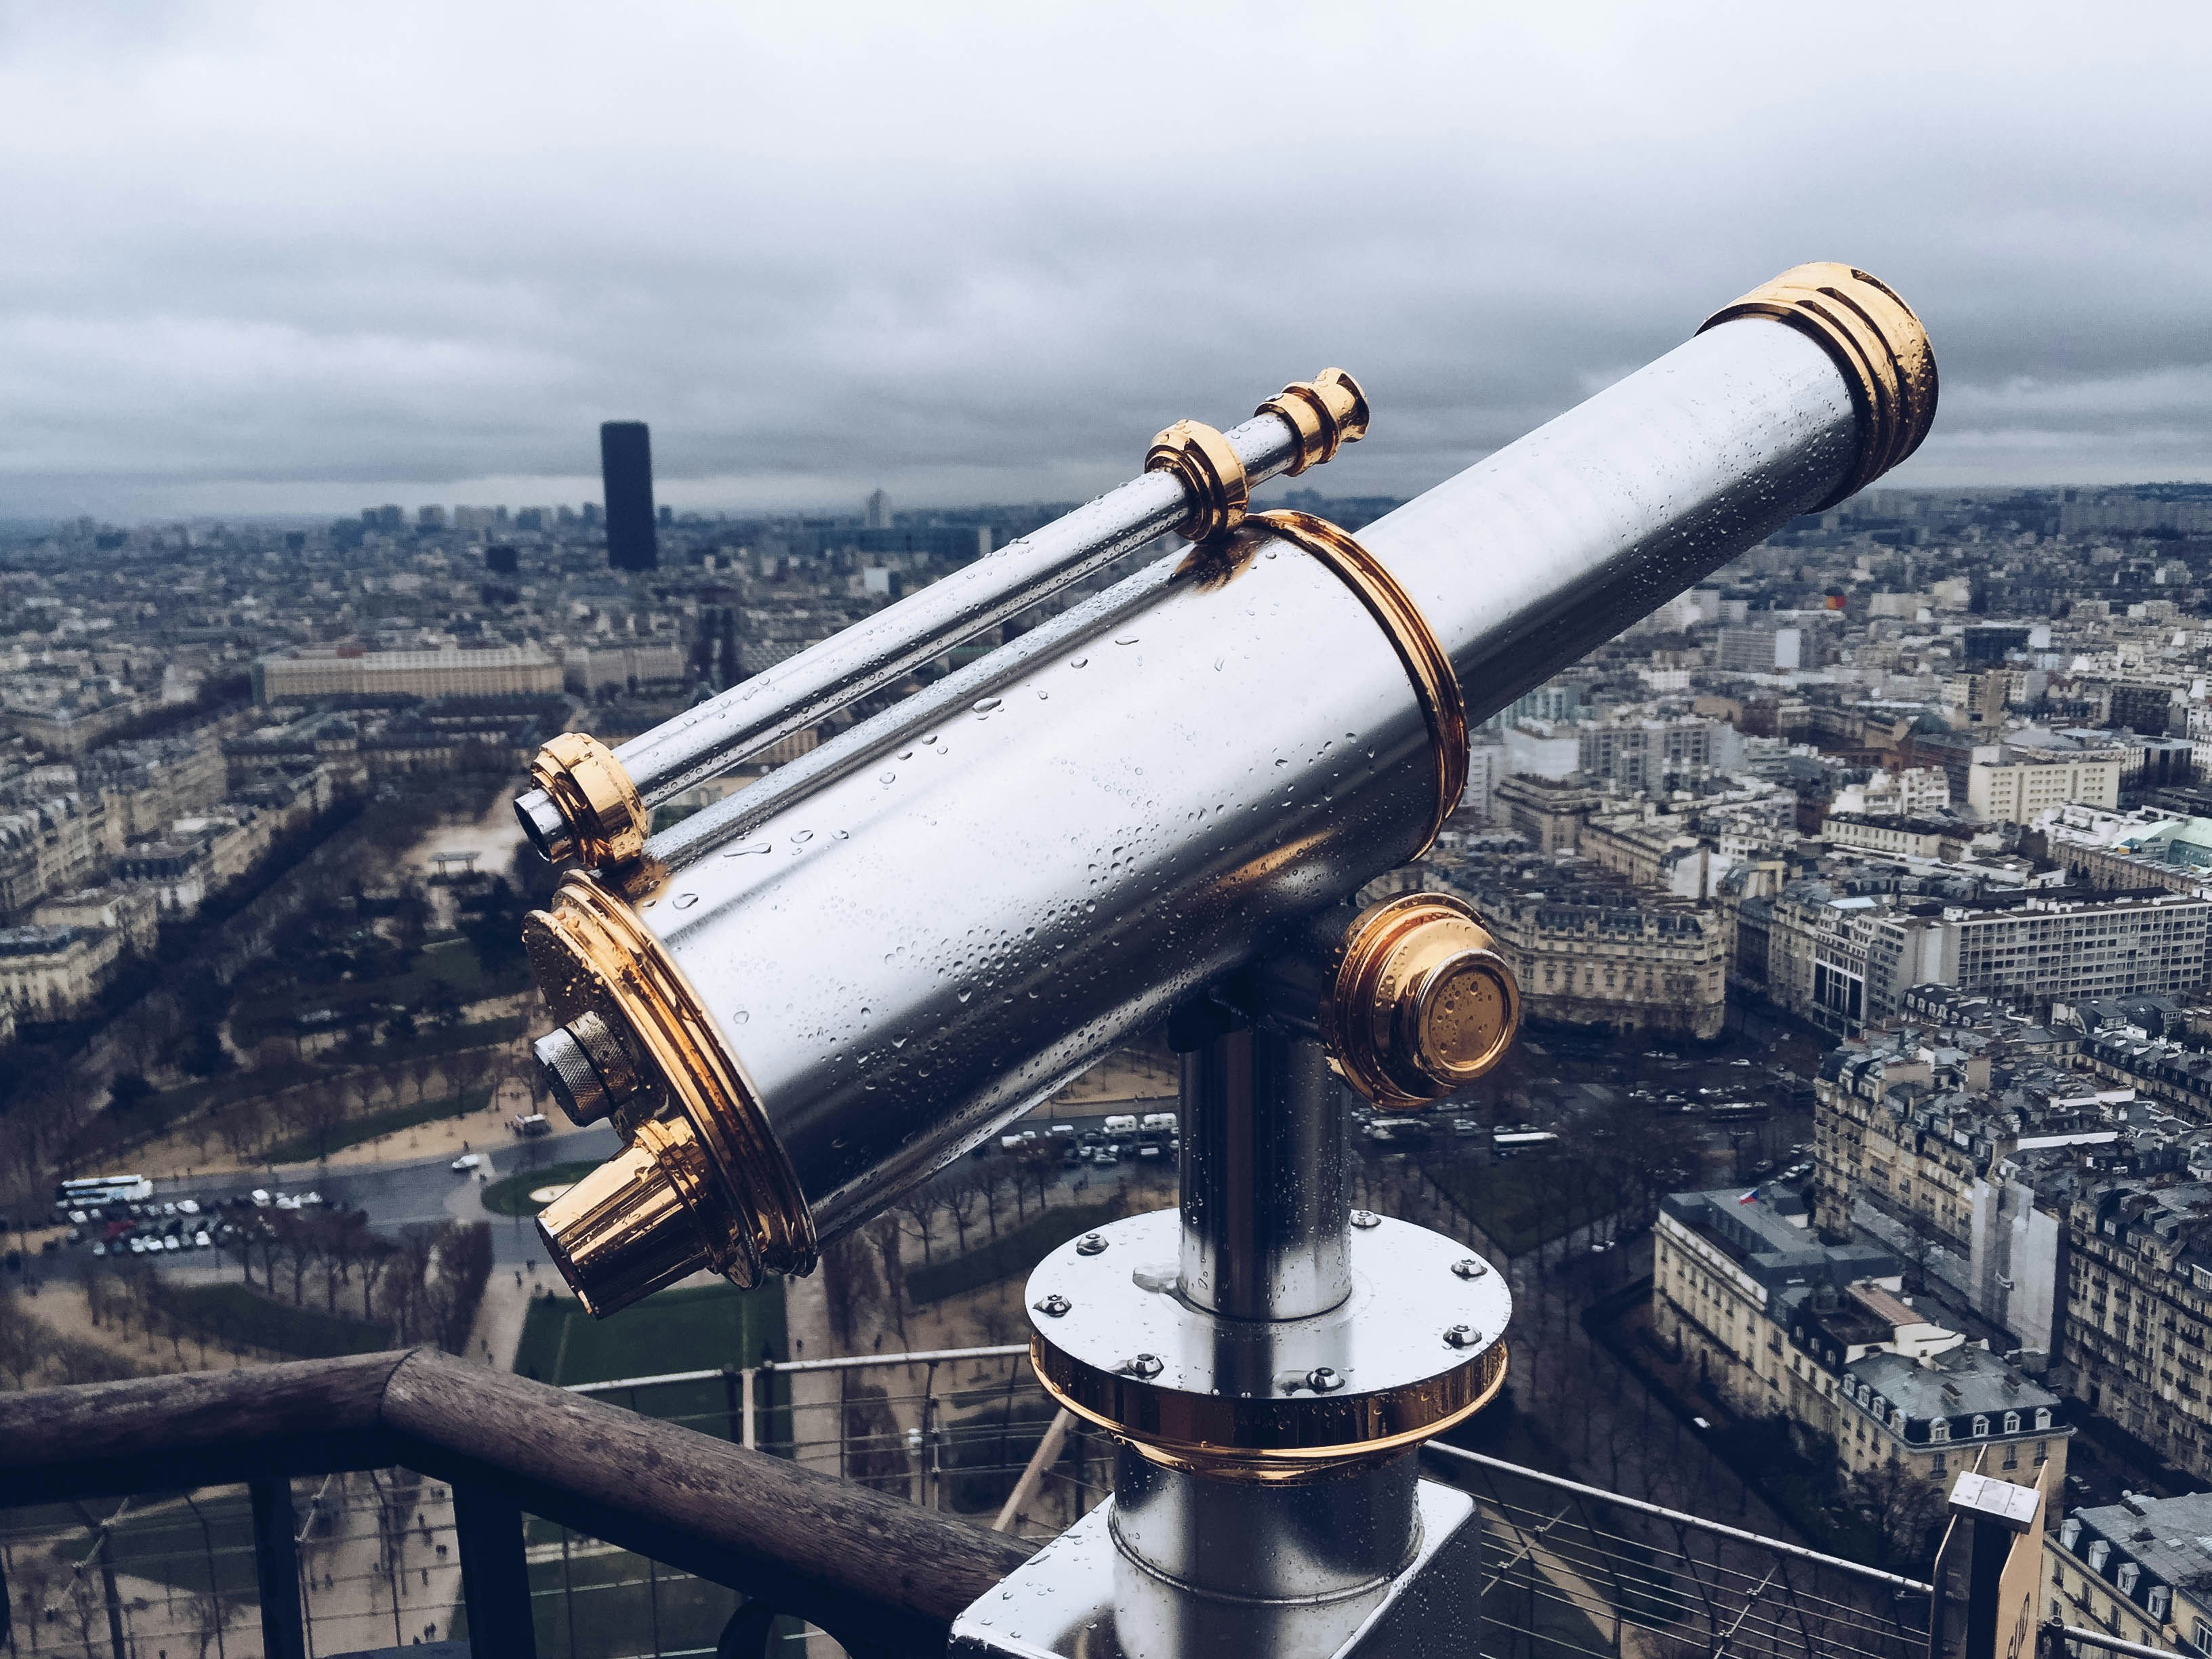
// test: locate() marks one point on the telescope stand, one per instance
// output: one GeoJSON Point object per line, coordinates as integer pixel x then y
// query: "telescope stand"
{"type": "Point", "coordinates": [1270, 1359]}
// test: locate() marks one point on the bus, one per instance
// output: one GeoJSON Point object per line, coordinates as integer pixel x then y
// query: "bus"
{"type": "Point", "coordinates": [1510, 1143]}
{"type": "Point", "coordinates": [88, 1192]}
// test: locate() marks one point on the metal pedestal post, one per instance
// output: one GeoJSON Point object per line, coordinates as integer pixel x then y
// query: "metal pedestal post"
{"type": "Point", "coordinates": [1268, 1367]}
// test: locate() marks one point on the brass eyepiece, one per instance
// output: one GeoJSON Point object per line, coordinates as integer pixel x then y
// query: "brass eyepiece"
{"type": "Point", "coordinates": [1421, 1003]}
{"type": "Point", "coordinates": [1327, 412]}
{"type": "Point", "coordinates": [630, 1228]}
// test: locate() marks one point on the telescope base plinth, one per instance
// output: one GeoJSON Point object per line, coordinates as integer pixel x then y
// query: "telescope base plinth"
{"type": "Point", "coordinates": [1083, 1597]}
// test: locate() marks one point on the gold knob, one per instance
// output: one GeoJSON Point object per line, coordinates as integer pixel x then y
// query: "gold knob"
{"type": "Point", "coordinates": [1421, 1003]}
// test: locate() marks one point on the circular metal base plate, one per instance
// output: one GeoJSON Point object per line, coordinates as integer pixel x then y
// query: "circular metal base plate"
{"type": "Point", "coordinates": [1416, 1346]}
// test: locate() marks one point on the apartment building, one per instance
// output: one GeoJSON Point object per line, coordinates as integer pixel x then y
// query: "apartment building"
{"type": "Point", "coordinates": [2139, 1306]}
{"type": "Point", "coordinates": [2139, 1570]}
{"type": "Point", "coordinates": [1778, 1321]}
{"type": "Point", "coordinates": [349, 671]}
{"type": "Point", "coordinates": [2019, 789]}
{"type": "Point", "coordinates": [1844, 959]}
{"type": "Point", "coordinates": [1592, 954]}
{"type": "Point", "coordinates": [50, 973]}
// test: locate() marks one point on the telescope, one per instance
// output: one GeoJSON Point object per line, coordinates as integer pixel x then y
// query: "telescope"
{"type": "Point", "coordinates": [1156, 808]}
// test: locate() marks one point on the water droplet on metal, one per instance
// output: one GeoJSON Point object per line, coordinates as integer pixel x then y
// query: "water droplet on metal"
{"type": "Point", "coordinates": [739, 1018]}
{"type": "Point", "coordinates": [742, 847]}
{"type": "Point", "coordinates": [802, 835]}
{"type": "Point", "coordinates": [686, 901]}
{"type": "Point", "coordinates": [984, 705]}
{"type": "Point", "coordinates": [885, 777]}
{"type": "Point", "coordinates": [1078, 662]}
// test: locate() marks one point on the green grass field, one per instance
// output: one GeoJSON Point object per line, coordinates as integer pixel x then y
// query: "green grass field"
{"type": "Point", "coordinates": [674, 1331]}
{"type": "Point", "coordinates": [511, 1194]}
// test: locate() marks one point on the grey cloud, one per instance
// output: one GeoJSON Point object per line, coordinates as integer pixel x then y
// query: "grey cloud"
{"type": "Point", "coordinates": [284, 258]}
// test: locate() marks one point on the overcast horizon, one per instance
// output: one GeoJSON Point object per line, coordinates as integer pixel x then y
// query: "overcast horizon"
{"type": "Point", "coordinates": [297, 260]}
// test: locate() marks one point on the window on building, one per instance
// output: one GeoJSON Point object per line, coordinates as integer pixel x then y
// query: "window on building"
{"type": "Point", "coordinates": [1940, 1430]}
{"type": "Point", "coordinates": [2042, 1418]}
{"type": "Point", "coordinates": [2012, 1422]}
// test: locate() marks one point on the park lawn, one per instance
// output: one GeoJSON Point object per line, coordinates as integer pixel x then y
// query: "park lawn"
{"type": "Point", "coordinates": [700, 1329]}
{"type": "Point", "coordinates": [274, 1011]}
{"type": "Point", "coordinates": [510, 1195]}
{"type": "Point", "coordinates": [355, 1131]}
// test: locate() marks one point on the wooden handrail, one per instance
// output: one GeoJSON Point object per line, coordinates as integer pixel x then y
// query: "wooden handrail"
{"type": "Point", "coordinates": [880, 1574]}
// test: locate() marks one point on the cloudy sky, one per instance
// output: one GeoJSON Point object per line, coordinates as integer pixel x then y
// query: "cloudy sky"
{"type": "Point", "coordinates": [298, 258]}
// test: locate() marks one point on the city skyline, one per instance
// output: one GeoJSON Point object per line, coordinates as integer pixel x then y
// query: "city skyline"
{"type": "Point", "coordinates": [272, 264]}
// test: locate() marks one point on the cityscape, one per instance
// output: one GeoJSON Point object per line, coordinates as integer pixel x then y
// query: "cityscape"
{"type": "Point", "coordinates": [1861, 1127]}
{"type": "Point", "coordinates": [746, 912]}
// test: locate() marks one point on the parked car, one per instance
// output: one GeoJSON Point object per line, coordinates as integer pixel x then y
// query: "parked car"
{"type": "Point", "coordinates": [466, 1162]}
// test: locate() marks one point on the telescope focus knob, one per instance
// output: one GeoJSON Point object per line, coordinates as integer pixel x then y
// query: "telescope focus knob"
{"type": "Point", "coordinates": [1421, 1003]}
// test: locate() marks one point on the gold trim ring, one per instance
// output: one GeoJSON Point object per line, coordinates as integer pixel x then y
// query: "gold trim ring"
{"type": "Point", "coordinates": [1327, 412]}
{"type": "Point", "coordinates": [1268, 1442]}
{"type": "Point", "coordinates": [1211, 471]}
{"type": "Point", "coordinates": [1877, 343]}
{"type": "Point", "coordinates": [1443, 705]}
{"type": "Point", "coordinates": [590, 952]}
{"type": "Point", "coordinates": [590, 789]}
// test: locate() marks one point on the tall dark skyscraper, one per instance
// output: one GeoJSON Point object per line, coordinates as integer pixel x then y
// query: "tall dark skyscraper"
{"type": "Point", "coordinates": [626, 467]}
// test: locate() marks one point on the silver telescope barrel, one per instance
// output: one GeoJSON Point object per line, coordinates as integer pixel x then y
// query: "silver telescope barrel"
{"type": "Point", "coordinates": [592, 806]}
{"type": "Point", "coordinates": [976, 900]}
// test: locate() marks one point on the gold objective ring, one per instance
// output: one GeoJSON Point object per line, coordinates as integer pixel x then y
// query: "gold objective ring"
{"type": "Point", "coordinates": [1211, 471]}
{"type": "Point", "coordinates": [1443, 705]}
{"type": "Point", "coordinates": [595, 793]}
{"type": "Point", "coordinates": [1877, 343]}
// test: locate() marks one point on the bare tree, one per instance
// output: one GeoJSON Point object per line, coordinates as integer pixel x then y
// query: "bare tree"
{"type": "Point", "coordinates": [919, 1205]}
{"type": "Point", "coordinates": [1901, 1508]}
{"type": "Point", "coordinates": [962, 1194]}
{"type": "Point", "coordinates": [883, 1234]}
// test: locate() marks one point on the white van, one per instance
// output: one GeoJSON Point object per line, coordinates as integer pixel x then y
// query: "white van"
{"type": "Point", "coordinates": [1159, 1122]}
{"type": "Point", "coordinates": [1123, 1123]}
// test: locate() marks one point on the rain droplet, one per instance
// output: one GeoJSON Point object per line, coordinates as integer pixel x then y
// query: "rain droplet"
{"type": "Point", "coordinates": [802, 835]}
{"type": "Point", "coordinates": [1124, 639]}
{"type": "Point", "coordinates": [1218, 661]}
{"type": "Point", "coordinates": [686, 901]}
{"type": "Point", "coordinates": [840, 834]}
{"type": "Point", "coordinates": [739, 1018]}
{"type": "Point", "coordinates": [1078, 662]}
{"type": "Point", "coordinates": [930, 738]}
{"type": "Point", "coordinates": [885, 777]}
{"type": "Point", "coordinates": [985, 705]}
{"type": "Point", "coordinates": [906, 754]}
{"type": "Point", "coordinates": [1042, 694]}
{"type": "Point", "coordinates": [747, 847]}
{"type": "Point", "coordinates": [1279, 761]}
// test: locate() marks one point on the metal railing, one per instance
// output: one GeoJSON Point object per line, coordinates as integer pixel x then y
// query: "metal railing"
{"type": "Point", "coordinates": [336, 1506]}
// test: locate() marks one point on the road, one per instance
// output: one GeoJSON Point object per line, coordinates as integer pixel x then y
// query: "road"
{"type": "Point", "coordinates": [423, 1191]}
